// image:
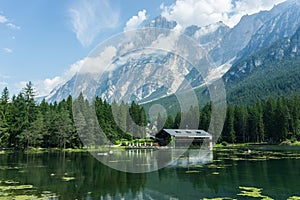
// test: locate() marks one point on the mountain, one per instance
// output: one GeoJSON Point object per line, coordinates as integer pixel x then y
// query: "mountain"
{"type": "Point", "coordinates": [284, 24]}
{"type": "Point", "coordinates": [149, 76]}
{"type": "Point", "coordinates": [84, 82]}
{"type": "Point", "coordinates": [146, 75]}
{"type": "Point", "coordinates": [210, 36]}
{"type": "Point", "coordinates": [241, 34]}
{"type": "Point", "coordinates": [271, 72]}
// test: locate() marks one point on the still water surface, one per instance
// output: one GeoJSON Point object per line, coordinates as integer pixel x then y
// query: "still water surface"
{"type": "Point", "coordinates": [81, 176]}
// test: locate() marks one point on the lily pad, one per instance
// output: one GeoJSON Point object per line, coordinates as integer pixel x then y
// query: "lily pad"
{"type": "Point", "coordinates": [219, 198]}
{"type": "Point", "coordinates": [253, 192]}
{"type": "Point", "coordinates": [294, 198]}
{"type": "Point", "coordinates": [192, 171]}
{"type": "Point", "coordinates": [65, 178]}
{"type": "Point", "coordinates": [15, 187]}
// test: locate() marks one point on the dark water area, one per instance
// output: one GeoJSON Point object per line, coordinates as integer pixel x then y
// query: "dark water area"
{"type": "Point", "coordinates": [276, 174]}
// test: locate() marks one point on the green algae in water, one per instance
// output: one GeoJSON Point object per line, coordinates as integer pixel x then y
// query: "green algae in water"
{"type": "Point", "coordinates": [253, 192]}
{"type": "Point", "coordinates": [219, 198]}
{"type": "Point", "coordinates": [192, 171]}
{"type": "Point", "coordinates": [294, 198]}
{"type": "Point", "coordinates": [15, 187]}
{"type": "Point", "coordinates": [65, 178]}
{"type": "Point", "coordinates": [11, 190]}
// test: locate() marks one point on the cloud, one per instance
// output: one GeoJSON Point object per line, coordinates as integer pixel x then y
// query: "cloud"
{"type": "Point", "coordinates": [98, 64]}
{"type": "Point", "coordinates": [3, 19]}
{"type": "Point", "coordinates": [135, 21]}
{"type": "Point", "coordinates": [13, 26]}
{"type": "Point", "coordinates": [90, 17]}
{"type": "Point", "coordinates": [20, 85]}
{"type": "Point", "coordinates": [44, 87]}
{"type": "Point", "coordinates": [205, 12]}
{"type": "Point", "coordinates": [2, 83]}
{"type": "Point", "coordinates": [8, 50]}
{"type": "Point", "coordinates": [4, 76]}
{"type": "Point", "coordinates": [92, 65]}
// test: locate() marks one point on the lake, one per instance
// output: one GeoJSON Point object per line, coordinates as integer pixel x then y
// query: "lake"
{"type": "Point", "coordinates": [231, 173]}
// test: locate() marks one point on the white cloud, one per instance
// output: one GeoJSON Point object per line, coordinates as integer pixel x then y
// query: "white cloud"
{"type": "Point", "coordinates": [3, 19]}
{"type": "Point", "coordinates": [44, 87]}
{"type": "Point", "coordinates": [13, 26]}
{"type": "Point", "coordinates": [205, 12]}
{"type": "Point", "coordinates": [90, 17]}
{"type": "Point", "coordinates": [86, 65]}
{"type": "Point", "coordinates": [166, 42]}
{"type": "Point", "coordinates": [2, 83]}
{"type": "Point", "coordinates": [4, 76]}
{"type": "Point", "coordinates": [98, 64]}
{"type": "Point", "coordinates": [19, 86]}
{"type": "Point", "coordinates": [135, 21]}
{"type": "Point", "coordinates": [8, 50]}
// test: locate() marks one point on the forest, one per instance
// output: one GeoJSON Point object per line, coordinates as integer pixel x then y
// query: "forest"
{"type": "Point", "coordinates": [25, 123]}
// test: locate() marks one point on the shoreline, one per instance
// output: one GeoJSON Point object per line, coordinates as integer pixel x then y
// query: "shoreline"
{"type": "Point", "coordinates": [244, 146]}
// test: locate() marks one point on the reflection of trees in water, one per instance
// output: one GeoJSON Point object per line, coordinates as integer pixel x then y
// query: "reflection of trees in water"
{"type": "Point", "coordinates": [91, 177]}
{"type": "Point", "coordinates": [101, 181]}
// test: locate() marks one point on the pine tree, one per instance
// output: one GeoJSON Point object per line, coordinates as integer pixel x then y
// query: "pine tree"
{"type": "Point", "coordinates": [228, 133]}
{"type": "Point", "coordinates": [4, 134]}
{"type": "Point", "coordinates": [177, 120]}
{"type": "Point", "coordinates": [160, 122]}
{"type": "Point", "coordinates": [281, 120]}
{"type": "Point", "coordinates": [269, 120]}
{"type": "Point", "coordinates": [169, 122]}
{"type": "Point", "coordinates": [17, 120]}
{"type": "Point", "coordinates": [240, 124]}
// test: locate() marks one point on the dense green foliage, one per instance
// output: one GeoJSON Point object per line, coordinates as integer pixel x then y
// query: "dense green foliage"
{"type": "Point", "coordinates": [270, 121]}
{"type": "Point", "coordinates": [25, 123]}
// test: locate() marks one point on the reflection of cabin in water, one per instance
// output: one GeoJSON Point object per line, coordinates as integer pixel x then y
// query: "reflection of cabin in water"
{"type": "Point", "coordinates": [183, 138]}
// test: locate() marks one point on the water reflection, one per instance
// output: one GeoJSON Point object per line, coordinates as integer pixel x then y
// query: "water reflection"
{"type": "Point", "coordinates": [148, 160]}
{"type": "Point", "coordinates": [186, 178]}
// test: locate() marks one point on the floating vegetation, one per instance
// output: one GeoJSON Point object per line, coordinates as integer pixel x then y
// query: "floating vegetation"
{"type": "Point", "coordinates": [192, 171]}
{"type": "Point", "coordinates": [15, 187]}
{"type": "Point", "coordinates": [213, 166]}
{"type": "Point", "coordinates": [11, 190]}
{"type": "Point", "coordinates": [255, 154]}
{"type": "Point", "coordinates": [9, 182]}
{"type": "Point", "coordinates": [8, 168]}
{"type": "Point", "coordinates": [66, 178]}
{"type": "Point", "coordinates": [253, 192]}
{"type": "Point", "coordinates": [219, 198]}
{"type": "Point", "coordinates": [294, 198]}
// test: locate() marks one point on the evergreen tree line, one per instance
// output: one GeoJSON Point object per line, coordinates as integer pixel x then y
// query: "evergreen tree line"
{"type": "Point", "coordinates": [272, 121]}
{"type": "Point", "coordinates": [25, 123]}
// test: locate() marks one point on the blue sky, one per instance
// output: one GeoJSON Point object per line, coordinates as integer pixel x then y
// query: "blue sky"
{"type": "Point", "coordinates": [43, 41]}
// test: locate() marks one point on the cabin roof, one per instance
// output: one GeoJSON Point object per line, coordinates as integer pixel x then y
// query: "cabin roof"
{"type": "Point", "coordinates": [188, 133]}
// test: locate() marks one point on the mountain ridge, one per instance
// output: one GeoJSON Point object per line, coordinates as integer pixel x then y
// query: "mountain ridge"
{"type": "Point", "coordinates": [225, 46]}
